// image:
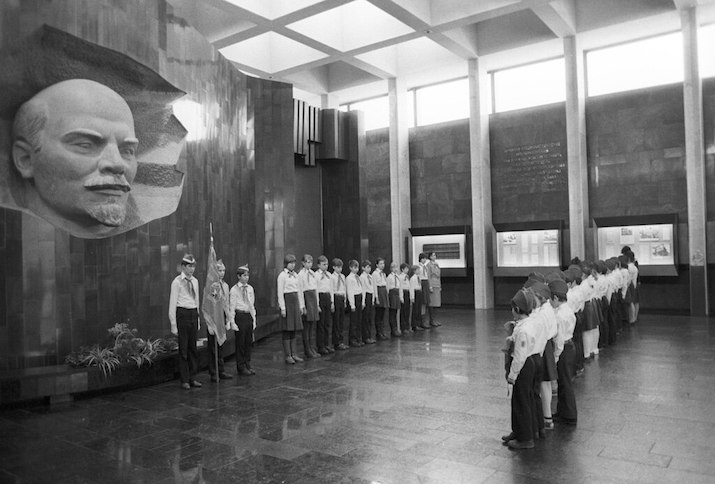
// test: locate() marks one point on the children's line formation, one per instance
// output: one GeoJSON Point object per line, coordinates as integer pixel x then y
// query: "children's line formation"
{"type": "Point", "coordinates": [561, 320]}
{"type": "Point", "coordinates": [335, 312]}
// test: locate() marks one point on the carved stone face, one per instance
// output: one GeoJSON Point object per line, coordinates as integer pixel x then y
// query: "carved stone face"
{"type": "Point", "coordinates": [80, 164]}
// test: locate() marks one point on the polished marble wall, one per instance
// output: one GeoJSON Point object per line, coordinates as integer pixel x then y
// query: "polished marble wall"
{"type": "Point", "coordinates": [61, 292]}
{"type": "Point", "coordinates": [379, 216]}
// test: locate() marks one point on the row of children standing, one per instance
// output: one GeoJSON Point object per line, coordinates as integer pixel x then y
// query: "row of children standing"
{"type": "Point", "coordinates": [560, 321]}
{"type": "Point", "coordinates": [316, 302]}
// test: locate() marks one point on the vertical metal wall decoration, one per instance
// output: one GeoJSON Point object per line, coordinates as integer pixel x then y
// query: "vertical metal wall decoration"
{"type": "Point", "coordinates": [307, 132]}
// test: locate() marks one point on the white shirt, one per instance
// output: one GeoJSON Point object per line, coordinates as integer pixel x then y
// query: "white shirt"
{"type": "Point", "coordinates": [354, 287]}
{"type": "Point", "coordinates": [566, 320]}
{"type": "Point", "coordinates": [546, 325]}
{"type": "Point", "coordinates": [308, 280]}
{"type": "Point", "coordinates": [325, 282]}
{"type": "Point", "coordinates": [243, 300]}
{"type": "Point", "coordinates": [180, 296]}
{"type": "Point", "coordinates": [368, 283]}
{"type": "Point", "coordinates": [524, 337]}
{"type": "Point", "coordinates": [287, 283]}
{"type": "Point", "coordinates": [338, 283]}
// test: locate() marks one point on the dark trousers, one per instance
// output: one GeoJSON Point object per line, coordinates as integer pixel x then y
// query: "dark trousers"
{"type": "Point", "coordinates": [321, 337]}
{"type": "Point", "coordinates": [355, 332]}
{"type": "Point", "coordinates": [215, 354]}
{"type": "Point", "coordinates": [244, 340]}
{"type": "Point", "coordinates": [578, 341]}
{"type": "Point", "coordinates": [417, 310]}
{"type": "Point", "coordinates": [613, 320]}
{"type": "Point", "coordinates": [392, 317]}
{"type": "Point", "coordinates": [379, 321]}
{"type": "Point", "coordinates": [538, 411]}
{"type": "Point", "coordinates": [368, 317]}
{"type": "Point", "coordinates": [522, 402]}
{"type": "Point", "coordinates": [186, 323]}
{"type": "Point", "coordinates": [405, 311]}
{"type": "Point", "coordinates": [565, 367]}
{"type": "Point", "coordinates": [338, 319]}
{"type": "Point", "coordinates": [604, 326]}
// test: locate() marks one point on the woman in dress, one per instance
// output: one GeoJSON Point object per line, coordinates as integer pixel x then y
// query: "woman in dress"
{"type": "Point", "coordinates": [435, 288]}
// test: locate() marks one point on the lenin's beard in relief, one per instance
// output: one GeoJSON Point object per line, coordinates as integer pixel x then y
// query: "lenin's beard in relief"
{"type": "Point", "coordinates": [111, 210]}
{"type": "Point", "coordinates": [109, 213]}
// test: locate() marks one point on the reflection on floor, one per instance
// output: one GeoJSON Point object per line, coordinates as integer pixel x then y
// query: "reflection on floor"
{"type": "Point", "coordinates": [426, 408]}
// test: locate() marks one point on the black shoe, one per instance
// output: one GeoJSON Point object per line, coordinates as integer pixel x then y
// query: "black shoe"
{"type": "Point", "coordinates": [435, 325]}
{"type": "Point", "coordinates": [418, 328]}
{"type": "Point", "coordinates": [195, 384]}
{"type": "Point", "coordinates": [519, 445]}
{"type": "Point", "coordinates": [508, 437]}
{"type": "Point", "coordinates": [566, 421]}
{"type": "Point", "coordinates": [323, 351]}
{"type": "Point", "coordinates": [396, 335]}
{"type": "Point", "coordinates": [426, 326]}
{"type": "Point", "coordinates": [244, 372]}
{"type": "Point", "coordinates": [224, 376]}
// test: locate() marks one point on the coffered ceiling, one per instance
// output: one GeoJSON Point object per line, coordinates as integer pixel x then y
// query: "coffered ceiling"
{"type": "Point", "coordinates": [324, 46]}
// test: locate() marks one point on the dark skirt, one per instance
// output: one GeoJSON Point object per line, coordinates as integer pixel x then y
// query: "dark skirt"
{"type": "Point", "coordinates": [549, 363]}
{"type": "Point", "coordinates": [311, 305]}
{"type": "Point", "coordinates": [591, 316]}
{"type": "Point", "coordinates": [292, 321]}
{"type": "Point", "coordinates": [382, 296]}
{"type": "Point", "coordinates": [424, 283]}
{"type": "Point", "coordinates": [394, 298]}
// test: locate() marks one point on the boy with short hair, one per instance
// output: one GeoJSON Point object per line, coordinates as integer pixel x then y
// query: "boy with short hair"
{"type": "Point", "coordinates": [356, 300]}
{"type": "Point", "coordinates": [184, 319]}
{"type": "Point", "coordinates": [407, 297]}
{"type": "Point", "coordinates": [325, 305]}
{"type": "Point", "coordinates": [242, 319]}
{"type": "Point", "coordinates": [368, 314]}
{"type": "Point", "coordinates": [339, 293]}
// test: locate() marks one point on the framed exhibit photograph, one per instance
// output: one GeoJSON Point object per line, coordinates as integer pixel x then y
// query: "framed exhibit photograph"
{"type": "Point", "coordinates": [653, 240]}
{"type": "Point", "coordinates": [450, 243]}
{"type": "Point", "coordinates": [526, 247]}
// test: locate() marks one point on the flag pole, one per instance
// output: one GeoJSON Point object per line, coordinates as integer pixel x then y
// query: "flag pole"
{"type": "Point", "coordinates": [218, 377]}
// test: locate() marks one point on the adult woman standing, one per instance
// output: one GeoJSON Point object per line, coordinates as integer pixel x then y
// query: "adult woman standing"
{"type": "Point", "coordinates": [435, 288]}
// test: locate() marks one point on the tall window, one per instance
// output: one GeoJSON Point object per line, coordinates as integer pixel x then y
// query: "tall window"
{"type": "Point", "coordinates": [529, 85]}
{"type": "Point", "coordinates": [377, 111]}
{"type": "Point", "coordinates": [706, 50]}
{"type": "Point", "coordinates": [442, 102]}
{"type": "Point", "coordinates": [643, 63]}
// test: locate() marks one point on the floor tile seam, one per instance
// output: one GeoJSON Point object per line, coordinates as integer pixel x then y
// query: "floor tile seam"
{"type": "Point", "coordinates": [636, 461]}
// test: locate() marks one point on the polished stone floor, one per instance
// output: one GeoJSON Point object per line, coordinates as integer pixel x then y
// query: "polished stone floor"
{"type": "Point", "coordinates": [427, 408]}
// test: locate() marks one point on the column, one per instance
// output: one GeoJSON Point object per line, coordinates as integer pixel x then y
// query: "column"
{"type": "Point", "coordinates": [481, 185]}
{"type": "Point", "coordinates": [400, 210]}
{"type": "Point", "coordinates": [576, 147]}
{"type": "Point", "coordinates": [694, 164]}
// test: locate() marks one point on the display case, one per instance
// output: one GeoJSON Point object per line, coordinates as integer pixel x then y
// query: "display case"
{"type": "Point", "coordinates": [653, 239]}
{"type": "Point", "coordinates": [522, 248]}
{"type": "Point", "coordinates": [450, 244]}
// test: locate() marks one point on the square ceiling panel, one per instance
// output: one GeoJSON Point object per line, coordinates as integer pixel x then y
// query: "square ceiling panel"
{"type": "Point", "coordinates": [510, 31]}
{"type": "Point", "coordinates": [271, 52]}
{"type": "Point", "coordinates": [332, 77]}
{"type": "Point", "coordinates": [213, 23]}
{"type": "Point", "coordinates": [350, 26]}
{"type": "Point", "coordinates": [272, 9]}
{"type": "Point", "coordinates": [409, 57]}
